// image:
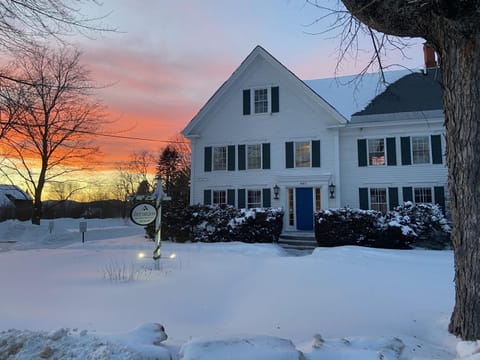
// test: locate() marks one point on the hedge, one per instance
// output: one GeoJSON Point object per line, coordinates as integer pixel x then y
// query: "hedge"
{"type": "Point", "coordinates": [407, 226]}
{"type": "Point", "coordinates": [205, 223]}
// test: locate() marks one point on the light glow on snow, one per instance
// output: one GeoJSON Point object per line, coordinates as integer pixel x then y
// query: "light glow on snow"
{"type": "Point", "coordinates": [336, 303]}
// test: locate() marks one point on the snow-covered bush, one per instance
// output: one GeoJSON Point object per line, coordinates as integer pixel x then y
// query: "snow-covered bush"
{"type": "Point", "coordinates": [204, 223]}
{"type": "Point", "coordinates": [345, 226]}
{"type": "Point", "coordinates": [424, 223]}
{"type": "Point", "coordinates": [408, 225]}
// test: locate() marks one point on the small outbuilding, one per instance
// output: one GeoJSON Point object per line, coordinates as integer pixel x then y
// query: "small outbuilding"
{"type": "Point", "coordinates": [15, 203]}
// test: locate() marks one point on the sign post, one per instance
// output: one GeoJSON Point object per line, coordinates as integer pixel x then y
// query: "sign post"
{"type": "Point", "coordinates": [83, 229]}
{"type": "Point", "coordinates": [144, 213]}
{"type": "Point", "coordinates": [160, 196]}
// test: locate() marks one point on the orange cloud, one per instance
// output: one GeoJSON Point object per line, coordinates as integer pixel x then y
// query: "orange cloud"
{"type": "Point", "coordinates": [149, 95]}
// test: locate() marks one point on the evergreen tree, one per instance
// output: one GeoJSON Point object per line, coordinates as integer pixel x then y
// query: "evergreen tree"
{"type": "Point", "coordinates": [175, 173]}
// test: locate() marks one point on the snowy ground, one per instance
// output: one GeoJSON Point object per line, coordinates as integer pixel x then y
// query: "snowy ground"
{"type": "Point", "coordinates": [102, 300]}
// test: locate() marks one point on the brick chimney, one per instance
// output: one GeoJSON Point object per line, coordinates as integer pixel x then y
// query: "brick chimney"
{"type": "Point", "coordinates": [429, 56]}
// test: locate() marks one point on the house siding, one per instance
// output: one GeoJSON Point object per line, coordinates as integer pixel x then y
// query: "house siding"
{"type": "Point", "coordinates": [386, 176]}
{"type": "Point", "coordinates": [338, 150]}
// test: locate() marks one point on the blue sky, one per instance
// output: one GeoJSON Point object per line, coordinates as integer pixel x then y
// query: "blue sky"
{"type": "Point", "coordinates": [168, 56]}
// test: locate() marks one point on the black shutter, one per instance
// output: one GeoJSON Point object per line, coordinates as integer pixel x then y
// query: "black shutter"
{"type": "Point", "coordinates": [289, 154]}
{"type": "Point", "coordinates": [241, 198]}
{"type": "Point", "coordinates": [362, 152]}
{"type": "Point", "coordinates": [275, 99]}
{"type": "Point", "coordinates": [208, 159]}
{"type": "Point", "coordinates": [246, 102]}
{"type": "Point", "coordinates": [231, 157]}
{"type": "Point", "coordinates": [439, 193]}
{"type": "Point", "coordinates": [266, 156]}
{"type": "Point", "coordinates": [391, 152]}
{"type": "Point", "coordinates": [363, 196]}
{"type": "Point", "coordinates": [436, 143]}
{"type": "Point", "coordinates": [316, 153]}
{"type": "Point", "coordinates": [241, 157]}
{"type": "Point", "coordinates": [207, 197]}
{"type": "Point", "coordinates": [407, 193]}
{"type": "Point", "coordinates": [406, 154]}
{"type": "Point", "coordinates": [231, 197]}
{"type": "Point", "coordinates": [392, 198]}
{"type": "Point", "coordinates": [266, 197]}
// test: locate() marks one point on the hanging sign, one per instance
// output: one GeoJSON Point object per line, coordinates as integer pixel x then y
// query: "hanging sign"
{"type": "Point", "coordinates": [143, 214]}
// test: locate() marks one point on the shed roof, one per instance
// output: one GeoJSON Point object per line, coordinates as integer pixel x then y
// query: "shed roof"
{"type": "Point", "coordinates": [9, 193]}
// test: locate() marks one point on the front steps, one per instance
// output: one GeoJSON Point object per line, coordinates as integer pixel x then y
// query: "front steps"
{"type": "Point", "coordinates": [297, 240]}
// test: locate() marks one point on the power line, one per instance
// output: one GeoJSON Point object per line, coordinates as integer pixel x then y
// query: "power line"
{"type": "Point", "coordinates": [103, 135]}
{"type": "Point", "coordinates": [127, 137]}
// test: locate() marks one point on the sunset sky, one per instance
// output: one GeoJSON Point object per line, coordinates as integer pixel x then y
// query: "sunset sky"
{"type": "Point", "coordinates": [168, 57]}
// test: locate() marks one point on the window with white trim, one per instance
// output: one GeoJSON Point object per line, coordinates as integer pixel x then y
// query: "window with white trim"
{"type": "Point", "coordinates": [378, 199]}
{"type": "Point", "coordinates": [254, 156]}
{"type": "Point", "coordinates": [219, 197]}
{"type": "Point", "coordinates": [220, 158]}
{"type": "Point", "coordinates": [260, 101]}
{"type": "Point", "coordinates": [423, 195]}
{"type": "Point", "coordinates": [420, 149]}
{"type": "Point", "coordinates": [302, 154]}
{"type": "Point", "coordinates": [376, 152]}
{"type": "Point", "coordinates": [254, 199]}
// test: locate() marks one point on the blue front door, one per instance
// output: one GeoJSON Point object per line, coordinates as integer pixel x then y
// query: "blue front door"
{"type": "Point", "coordinates": [304, 208]}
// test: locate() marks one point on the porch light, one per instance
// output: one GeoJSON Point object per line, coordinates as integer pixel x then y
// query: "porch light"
{"type": "Point", "coordinates": [276, 192]}
{"type": "Point", "coordinates": [331, 190]}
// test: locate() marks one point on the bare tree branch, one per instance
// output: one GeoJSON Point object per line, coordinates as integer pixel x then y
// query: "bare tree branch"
{"type": "Point", "coordinates": [52, 137]}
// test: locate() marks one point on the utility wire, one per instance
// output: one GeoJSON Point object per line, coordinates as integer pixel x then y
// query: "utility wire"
{"type": "Point", "coordinates": [104, 135]}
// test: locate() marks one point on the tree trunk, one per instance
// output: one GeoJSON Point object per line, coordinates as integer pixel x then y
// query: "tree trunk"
{"type": "Point", "coordinates": [37, 201]}
{"type": "Point", "coordinates": [461, 79]}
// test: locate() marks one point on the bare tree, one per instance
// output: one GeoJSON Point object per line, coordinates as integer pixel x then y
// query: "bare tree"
{"type": "Point", "coordinates": [452, 28]}
{"type": "Point", "coordinates": [136, 170]}
{"type": "Point", "coordinates": [65, 190]}
{"type": "Point", "coordinates": [53, 136]}
{"type": "Point", "coordinates": [10, 107]}
{"type": "Point", "coordinates": [23, 22]}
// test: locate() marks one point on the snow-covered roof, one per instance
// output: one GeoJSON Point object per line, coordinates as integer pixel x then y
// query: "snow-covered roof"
{"type": "Point", "coordinates": [10, 193]}
{"type": "Point", "coordinates": [351, 94]}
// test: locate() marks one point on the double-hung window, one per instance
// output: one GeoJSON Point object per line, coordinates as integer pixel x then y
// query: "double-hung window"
{"type": "Point", "coordinates": [254, 199]}
{"type": "Point", "coordinates": [260, 101]}
{"type": "Point", "coordinates": [254, 156]}
{"type": "Point", "coordinates": [302, 154]}
{"type": "Point", "coordinates": [423, 195]}
{"type": "Point", "coordinates": [420, 150]}
{"type": "Point", "coordinates": [376, 152]}
{"type": "Point", "coordinates": [220, 158]}
{"type": "Point", "coordinates": [219, 197]}
{"type": "Point", "coordinates": [378, 199]}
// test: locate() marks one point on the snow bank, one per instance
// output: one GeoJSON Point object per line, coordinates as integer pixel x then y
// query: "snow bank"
{"type": "Point", "coordinates": [64, 343]}
{"type": "Point", "coordinates": [245, 347]}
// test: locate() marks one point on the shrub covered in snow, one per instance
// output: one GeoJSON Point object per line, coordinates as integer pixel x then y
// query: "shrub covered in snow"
{"type": "Point", "coordinates": [344, 226]}
{"type": "Point", "coordinates": [219, 223]}
{"type": "Point", "coordinates": [408, 225]}
{"type": "Point", "coordinates": [424, 224]}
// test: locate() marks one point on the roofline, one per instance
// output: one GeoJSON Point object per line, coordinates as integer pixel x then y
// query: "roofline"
{"type": "Point", "coordinates": [257, 51]}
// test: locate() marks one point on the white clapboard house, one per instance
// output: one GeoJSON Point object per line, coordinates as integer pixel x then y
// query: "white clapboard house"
{"type": "Point", "coordinates": [266, 138]}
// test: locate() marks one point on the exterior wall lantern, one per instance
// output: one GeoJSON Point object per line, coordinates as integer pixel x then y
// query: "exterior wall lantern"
{"type": "Point", "coordinates": [276, 192]}
{"type": "Point", "coordinates": [331, 190]}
